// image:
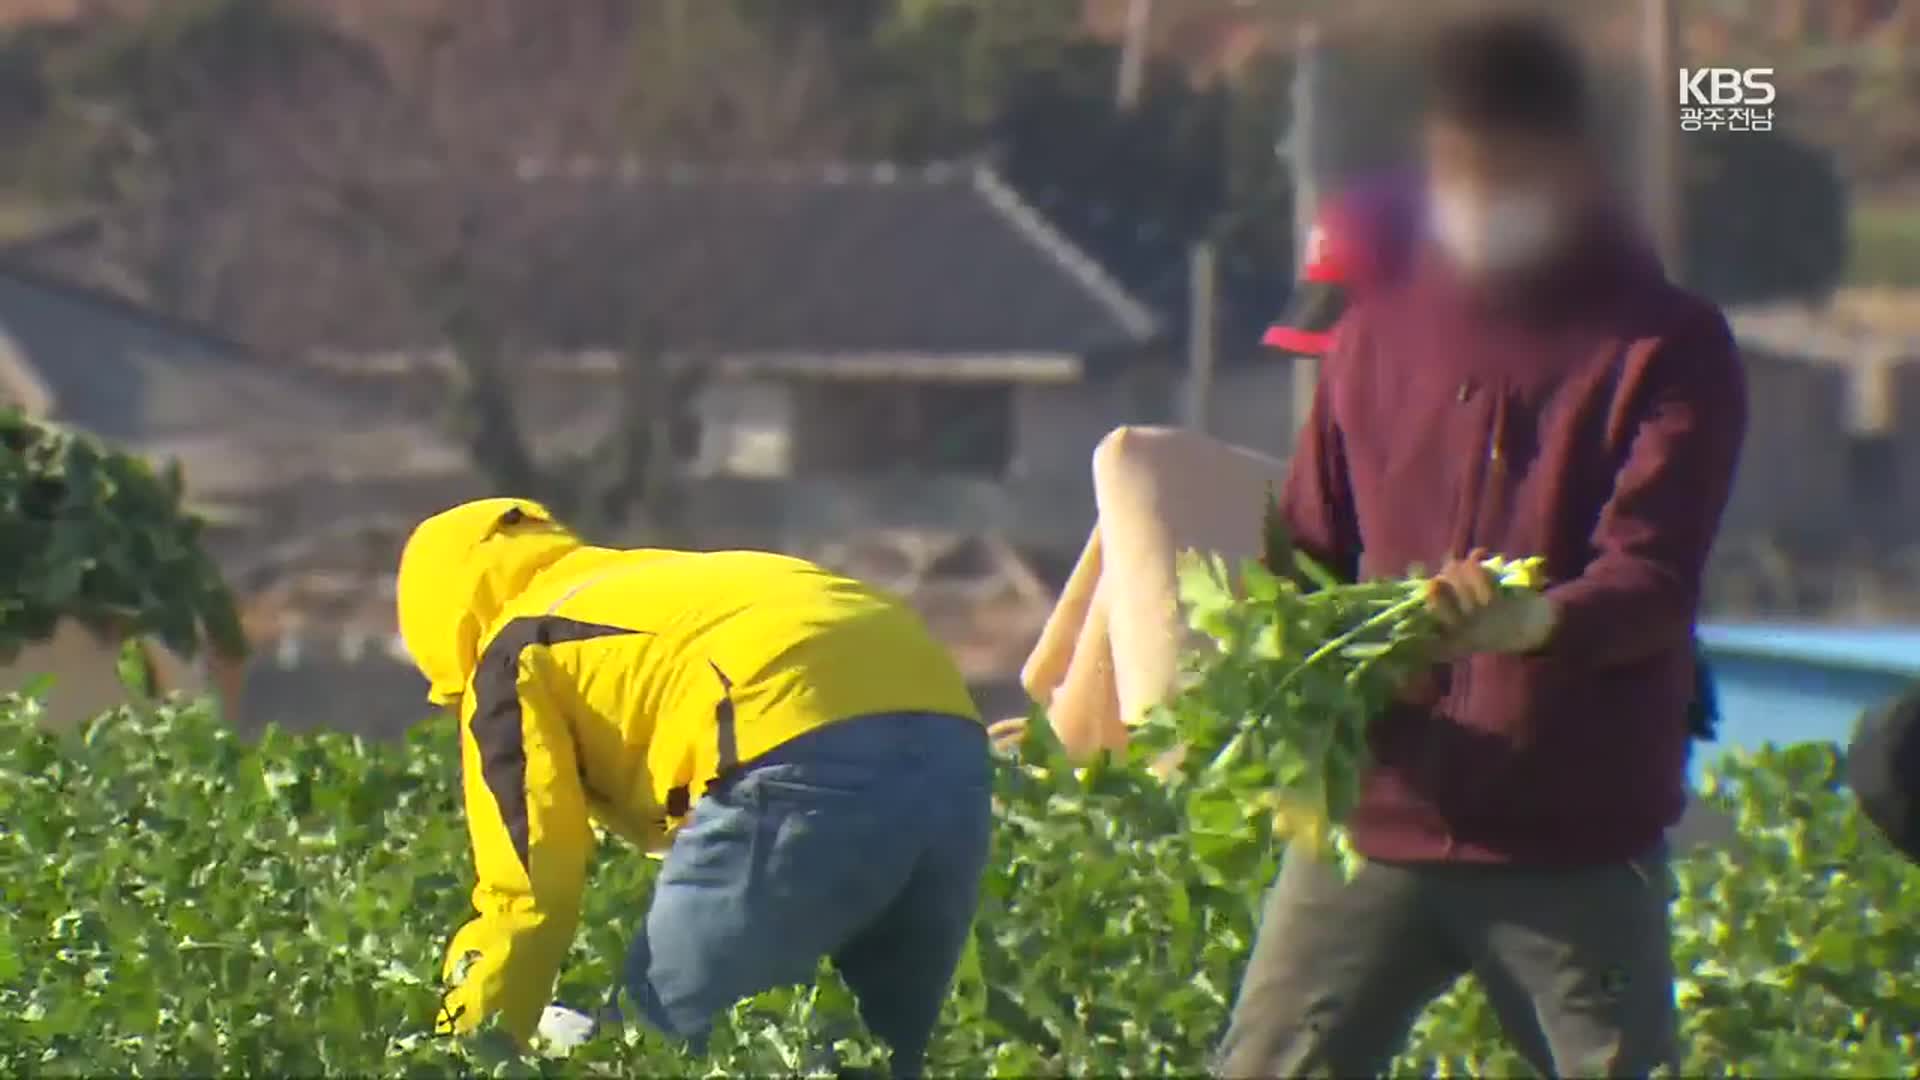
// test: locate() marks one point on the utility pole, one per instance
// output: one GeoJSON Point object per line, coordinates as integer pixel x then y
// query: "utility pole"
{"type": "Point", "coordinates": [1202, 333]}
{"type": "Point", "coordinates": [1663, 178]}
{"type": "Point", "coordinates": [1306, 159]}
{"type": "Point", "coordinates": [1133, 55]}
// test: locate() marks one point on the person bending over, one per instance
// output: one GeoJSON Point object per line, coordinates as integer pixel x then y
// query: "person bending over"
{"type": "Point", "coordinates": [798, 745]}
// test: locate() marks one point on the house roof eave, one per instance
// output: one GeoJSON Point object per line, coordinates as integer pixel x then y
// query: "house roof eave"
{"type": "Point", "coordinates": [908, 366]}
{"type": "Point", "coordinates": [877, 364]}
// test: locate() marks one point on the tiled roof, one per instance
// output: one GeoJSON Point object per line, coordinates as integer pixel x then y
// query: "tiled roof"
{"type": "Point", "coordinates": [1153, 259]}
{"type": "Point", "coordinates": [822, 260]}
{"type": "Point", "coordinates": [171, 389]}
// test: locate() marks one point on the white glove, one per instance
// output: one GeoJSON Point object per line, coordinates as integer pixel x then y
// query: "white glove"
{"type": "Point", "coordinates": [563, 1029]}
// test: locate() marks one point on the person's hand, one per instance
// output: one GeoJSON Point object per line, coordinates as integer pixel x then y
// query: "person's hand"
{"type": "Point", "coordinates": [1477, 616]}
{"type": "Point", "coordinates": [1007, 734]}
{"type": "Point", "coordinates": [563, 1028]}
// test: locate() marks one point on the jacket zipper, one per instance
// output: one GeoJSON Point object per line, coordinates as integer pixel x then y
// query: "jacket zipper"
{"type": "Point", "coordinates": [1492, 473]}
{"type": "Point", "coordinates": [1491, 463]}
{"type": "Point", "coordinates": [1487, 464]}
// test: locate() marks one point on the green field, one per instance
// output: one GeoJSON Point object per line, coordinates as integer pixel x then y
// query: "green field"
{"type": "Point", "coordinates": [181, 902]}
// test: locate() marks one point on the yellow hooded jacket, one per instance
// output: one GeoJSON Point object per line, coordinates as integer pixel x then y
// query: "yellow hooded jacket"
{"type": "Point", "coordinates": [612, 686]}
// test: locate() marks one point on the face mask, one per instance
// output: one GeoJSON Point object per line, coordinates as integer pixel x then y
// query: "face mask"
{"type": "Point", "coordinates": [1495, 234]}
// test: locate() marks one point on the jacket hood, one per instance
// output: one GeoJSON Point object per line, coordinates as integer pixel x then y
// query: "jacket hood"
{"type": "Point", "coordinates": [459, 571]}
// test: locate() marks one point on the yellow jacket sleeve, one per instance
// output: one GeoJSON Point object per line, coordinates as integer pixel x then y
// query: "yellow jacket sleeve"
{"type": "Point", "coordinates": [527, 815]}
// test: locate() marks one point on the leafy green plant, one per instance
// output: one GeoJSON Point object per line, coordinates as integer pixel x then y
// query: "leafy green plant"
{"type": "Point", "coordinates": [1274, 715]}
{"type": "Point", "coordinates": [180, 901]}
{"type": "Point", "coordinates": [97, 535]}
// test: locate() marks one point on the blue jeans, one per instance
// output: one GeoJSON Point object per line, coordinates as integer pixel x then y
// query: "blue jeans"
{"type": "Point", "coordinates": [863, 841]}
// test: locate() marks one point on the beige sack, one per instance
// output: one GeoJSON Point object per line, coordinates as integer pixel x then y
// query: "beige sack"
{"type": "Point", "coordinates": [1071, 668]}
{"type": "Point", "coordinates": [1111, 649]}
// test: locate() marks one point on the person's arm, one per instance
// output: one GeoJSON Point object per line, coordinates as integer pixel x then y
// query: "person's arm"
{"type": "Point", "coordinates": [1683, 412]}
{"type": "Point", "coordinates": [1316, 502]}
{"type": "Point", "coordinates": [527, 816]}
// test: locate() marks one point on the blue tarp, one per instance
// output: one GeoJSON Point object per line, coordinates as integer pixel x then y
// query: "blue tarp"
{"type": "Point", "coordinates": [1890, 649]}
{"type": "Point", "coordinates": [1802, 682]}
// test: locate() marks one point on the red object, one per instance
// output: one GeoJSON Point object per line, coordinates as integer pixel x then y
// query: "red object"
{"type": "Point", "coordinates": [1341, 242]}
{"type": "Point", "coordinates": [1299, 342]}
{"type": "Point", "coordinates": [1598, 428]}
{"type": "Point", "coordinates": [1320, 262]}
{"type": "Point", "coordinates": [1319, 298]}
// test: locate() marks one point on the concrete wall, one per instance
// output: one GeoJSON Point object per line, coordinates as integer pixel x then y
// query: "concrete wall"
{"type": "Point", "coordinates": [78, 675]}
{"type": "Point", "coordinates": [1252, 406]}
{"type": "Point", "coordinates": [1056, 427]}
{"type": "Point", "coordinates": [1793, 480]}
{"type": "Point", "coordinates": [372, 693]}
{"type": "Point", "coordinates": [1904, 439]}
{"type": "Point", "coordinates": [377, 696]}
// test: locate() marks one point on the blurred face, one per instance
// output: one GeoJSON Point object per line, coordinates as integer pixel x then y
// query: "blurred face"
{"type": "Point", "coordinates": [1502, 204]}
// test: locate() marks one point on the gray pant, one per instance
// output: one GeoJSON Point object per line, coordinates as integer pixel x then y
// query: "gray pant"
{"type": "Point", "coordinates": [1577, 965]}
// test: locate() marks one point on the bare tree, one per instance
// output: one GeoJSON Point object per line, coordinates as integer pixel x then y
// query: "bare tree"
{"type": "Point", "coordinates": [396, 177]}
{"type": "Point", "coordinates": [415, 169]}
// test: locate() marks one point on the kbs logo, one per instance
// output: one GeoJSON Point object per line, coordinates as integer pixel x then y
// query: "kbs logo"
{"type": "Point", "coordinates": [1726, 86]}
{"type": "Point", "coordinates": [1726, 99]}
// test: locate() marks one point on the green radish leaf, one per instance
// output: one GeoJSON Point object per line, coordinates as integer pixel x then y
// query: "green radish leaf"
{"type": "Point", "coordinates": [1315, 573]}
{"type": "Point", "coordinates": [176, 900]}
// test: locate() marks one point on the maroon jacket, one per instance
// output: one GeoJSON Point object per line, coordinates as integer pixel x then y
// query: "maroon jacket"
{"type": "Point", "coordinates": [1597, 424]}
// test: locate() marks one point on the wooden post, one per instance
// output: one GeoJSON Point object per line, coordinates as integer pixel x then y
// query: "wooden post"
{"type": "Point", "coordinates": [1132, 78]}
{"type": "Point", "coordinates": [1308, 163]}
{"type": "Point", "coordinates": [1664, 164]}
{"type": "Point", "coordinates": [1202, 328]}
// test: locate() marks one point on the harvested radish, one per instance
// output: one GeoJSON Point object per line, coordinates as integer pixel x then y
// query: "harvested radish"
{"type": "Point", "coordinates": [1300, 664]}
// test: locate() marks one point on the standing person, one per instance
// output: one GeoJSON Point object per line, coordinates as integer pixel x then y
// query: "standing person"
{"type": "Point", "coordinates": [1883, 769]}
{"type": "Point", "coordinates": [800, 745]}
{"type": "Point", "coordinates": [1360, 242]}
{"type": "Point", "coordinates": [1529, 383]}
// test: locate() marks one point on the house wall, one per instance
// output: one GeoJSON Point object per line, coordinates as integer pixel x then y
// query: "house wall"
{"type": "Point", "coordinates": [825, 431]}
{"type": "Point", "coordinates": [748, 427]}
{"type": "Point", "coordinates": [1046, 498]}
